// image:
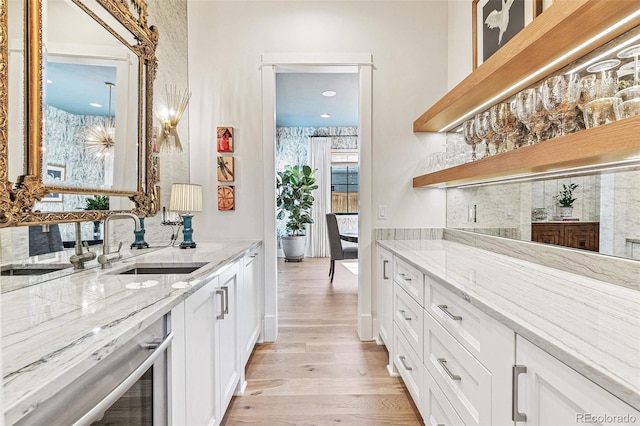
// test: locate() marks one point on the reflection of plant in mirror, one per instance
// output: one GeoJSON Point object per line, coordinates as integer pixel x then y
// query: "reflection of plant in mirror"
{"type": "Point", "coordinates": [98, 202]}
{"type": "Point", "coordinates": [565, 197]}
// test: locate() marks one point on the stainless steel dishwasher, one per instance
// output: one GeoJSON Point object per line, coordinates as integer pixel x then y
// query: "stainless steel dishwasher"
{"type": "Point", "coordinates": [128, 387]}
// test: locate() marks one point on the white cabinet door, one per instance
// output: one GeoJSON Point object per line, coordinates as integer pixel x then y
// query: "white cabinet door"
{"type": "Point", "coordinates": [251, 301]}
{"type": "Point", "coordinates": [552, 393]}
{"type": "Point", "coordinates": [201, 309]}
{"type": "Point", "coordinates": [384, 282]}
{"type": "Point", "coordinates": [228, 347]}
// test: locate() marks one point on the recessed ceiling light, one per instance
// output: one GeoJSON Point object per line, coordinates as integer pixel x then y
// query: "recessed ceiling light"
{"type": "Point", "coordinates": [49, 81]}
{"type": "Point", "coordinates": [325, 115]}
{"type": "Point", "coordinates": [95, 105]}
{"type": "Point", "coordinates": [328, 93]}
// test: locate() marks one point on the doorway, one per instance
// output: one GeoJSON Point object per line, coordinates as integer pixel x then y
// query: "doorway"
{"type": "Point", "coordinates": [273, 64]}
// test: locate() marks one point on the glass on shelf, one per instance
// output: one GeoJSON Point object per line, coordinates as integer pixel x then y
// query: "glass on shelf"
{"type": "Point", "coordinates": [600, 111]}
{"type": "Point", "coordinates": [483, 128]}
{"type": "Point", "coordinates": [531, 112]}
{"type": "Point", "coordinates": [629, 105]}
{"type": "Point", "coordinates": [470, 137]}
{"type": "Point", "coordinates": [560, 95]}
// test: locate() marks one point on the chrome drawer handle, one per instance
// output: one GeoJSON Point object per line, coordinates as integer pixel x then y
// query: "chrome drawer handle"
{"type": "Point", "coordinates": [404, 276]}
{"type": "Point", "coordinates": [384, 270]}
{"type": "Point", "coordinates": [404, 364]}
{"type": "Point", "coordinates": [516, 415]}
{"type": "Point", "coordinates": [445, 309]}
{"type": "Point", "coordinates": [443, 363]}
{"type": "Point", "coordinates": [221, 294]}
{"type": "Point", "coordinates": [404, 315]}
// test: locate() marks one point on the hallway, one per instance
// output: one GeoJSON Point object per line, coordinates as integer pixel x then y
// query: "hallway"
{"type": "Point", "coordinates": [318, 372]}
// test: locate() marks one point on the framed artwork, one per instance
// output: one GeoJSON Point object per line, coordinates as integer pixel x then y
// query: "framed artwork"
{"type": "Point", "coordinates": [225, 139]}
{"type": "Point", "coordinates": [55, 176]}
{"type": "Point", "coordinates": [495, 22]}
{"type": "Point", "coordinates": [225, 169]}
{"type": "Point", "coordinates": [226, 197]}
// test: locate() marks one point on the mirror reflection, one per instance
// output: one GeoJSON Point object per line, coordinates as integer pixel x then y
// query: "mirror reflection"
{"type": "Point", "coordinates": [604, 216]}
{"type": "Point", "coordinates": [90, 106]}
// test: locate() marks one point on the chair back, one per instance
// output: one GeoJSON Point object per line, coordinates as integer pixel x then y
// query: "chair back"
{"type": "Point", "coordinates": [335, 245]}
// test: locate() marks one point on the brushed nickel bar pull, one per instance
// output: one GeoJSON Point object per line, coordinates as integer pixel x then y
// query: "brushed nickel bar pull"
{"type": "Point", "coordinates": [404, 276]}
{"type": "Point", "coordinates": [404, 364]}
{"type": "Point", "coordinates": [404, 315]}
{"type": "Point", "coordinates": [516, 415]}
{"type": "Point", "coordinates": [221, 294]}
{"type": "Point", "coordinates": [384, 270]}
{"type": "Point", "coordinates": [445, 309]}
{"type": "Point", "coordinates": [443, 364]}
{"type": "Point", "coordinates": [226, 300]}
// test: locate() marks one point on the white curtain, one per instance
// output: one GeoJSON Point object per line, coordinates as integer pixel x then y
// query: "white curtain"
{"type": "Point", "coordinates": [320, 159]}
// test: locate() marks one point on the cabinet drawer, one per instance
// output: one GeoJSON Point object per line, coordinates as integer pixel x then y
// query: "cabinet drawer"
{"type": "Point", "coordinates": [463, 380]}
{"type": "Point", "coordinates": [408, 364]}
{"type": "Point", "coordinates": [408, 316]}
{"type": "Point", "coordinates": [474, 329]}
{"type": "Point", "coordinates": [436, 408]}
{"type": "Point", "coordinates": [410, 279]}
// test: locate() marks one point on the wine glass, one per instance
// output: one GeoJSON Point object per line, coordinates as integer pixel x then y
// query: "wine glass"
{"type": "Point", "coordinates": [560, 96]}
{"type": "Point", "coordinates": [531, 112]}
{"type": "Point", "coordinates": [483, 128]}
{"type": "Point", "coordinates": [629, 104]}
{"type": "Point", "coordinates": [470, 137]}
{"type": "Point", "coordinates": [502, 122]}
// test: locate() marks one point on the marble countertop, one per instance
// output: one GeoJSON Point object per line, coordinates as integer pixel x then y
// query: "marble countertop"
{"type": "Point", "coordinates": [54, 331]}
{"type": "Point", "coordinates": [590, 325]}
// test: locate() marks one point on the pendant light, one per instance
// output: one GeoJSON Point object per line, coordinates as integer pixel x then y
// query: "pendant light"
{"type": "Point", "coordinates": [100, 138]}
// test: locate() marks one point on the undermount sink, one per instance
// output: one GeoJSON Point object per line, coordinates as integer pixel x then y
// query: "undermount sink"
{"type": "Point", "coordinates": [160, 268]}
{"type": "Point", "coordinates": [34, 269]}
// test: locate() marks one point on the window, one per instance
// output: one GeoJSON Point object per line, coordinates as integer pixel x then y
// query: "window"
{"type": "Point", "coordinates": [344, 188]}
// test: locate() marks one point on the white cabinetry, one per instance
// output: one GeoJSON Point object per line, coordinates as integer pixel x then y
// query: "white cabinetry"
{"type": "Point", "coordinates": [551, 393]}
{"type": "Point", "coordinates": [211, 352]}
{"type": "Point", "coordinates": [251, 302]}
{"type": "Point", "coordinates": [384, 281]}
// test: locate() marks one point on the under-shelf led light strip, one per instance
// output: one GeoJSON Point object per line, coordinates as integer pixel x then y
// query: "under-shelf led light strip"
{"type": "Point", "coordinates": [632, 163]}
{"type": "Point", "coordinates": [541, 70]}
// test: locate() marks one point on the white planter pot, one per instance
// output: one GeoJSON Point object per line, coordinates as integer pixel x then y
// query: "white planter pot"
{"type": "Point", "coordinates": [566, 211]}
{"type": "Point", "coordinates": [293, 247]}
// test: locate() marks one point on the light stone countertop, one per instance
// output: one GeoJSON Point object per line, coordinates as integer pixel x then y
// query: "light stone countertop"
{"type": "Point", "coordinates": [590, 325]}
{"type": "Point", "coordinates": [54, 331]}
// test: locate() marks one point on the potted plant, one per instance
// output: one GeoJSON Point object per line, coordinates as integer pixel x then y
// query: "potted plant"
{"type": "Point", "coordinates": [294, 201]}
{"type": "Point", "coordinates": [565, 199]}
{"type": "Point", "coordinates": [97, 202]}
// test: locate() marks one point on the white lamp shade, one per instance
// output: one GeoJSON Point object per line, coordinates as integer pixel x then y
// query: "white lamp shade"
{"type": "Point", "coordinates": [185, 197]}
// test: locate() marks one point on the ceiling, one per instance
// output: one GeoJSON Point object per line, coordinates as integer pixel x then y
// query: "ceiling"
{"type": "Point", "coordinates": [299, 99]}
{"type": "Point", "coordinates": [72, 87]}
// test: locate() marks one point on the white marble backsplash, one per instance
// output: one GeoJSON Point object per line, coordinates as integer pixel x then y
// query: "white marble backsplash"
{"type": "Point", "coordinates": [614, 270]}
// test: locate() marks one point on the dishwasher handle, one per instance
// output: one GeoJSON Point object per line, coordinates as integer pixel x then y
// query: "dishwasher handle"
{"type": "Point", "coordinates": [98, 410]}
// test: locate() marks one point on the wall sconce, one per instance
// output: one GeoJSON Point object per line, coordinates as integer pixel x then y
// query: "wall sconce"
{"type": "Point", "coordinates": [100, 139]}
{"type": "Point", "coordinates": [170, 116]}
{"type": "Point", "coordinates": [186, 198]}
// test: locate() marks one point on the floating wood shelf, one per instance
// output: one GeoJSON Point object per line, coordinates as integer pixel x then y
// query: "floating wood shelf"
{"type": "Point", "coordinates": [611, 143]}
{"type": "Point", "coordinates": [564, 26]}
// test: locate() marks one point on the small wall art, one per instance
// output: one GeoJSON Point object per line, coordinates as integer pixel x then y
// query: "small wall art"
{"type": "Point", "coordinates": [55, 176]}
{"type": "Point", "coordinates": [225, 169]}
{"type": "Point", "coordinates": [225, 139]}
{"type": "Point", "coordinates": [226, 197]}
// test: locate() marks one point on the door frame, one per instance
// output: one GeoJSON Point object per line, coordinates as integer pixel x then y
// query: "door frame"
{"type": "Point", "coordinates": [364, 62]}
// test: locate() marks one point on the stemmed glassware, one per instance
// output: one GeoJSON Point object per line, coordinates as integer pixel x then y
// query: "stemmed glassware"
{"type": "Point", "coordinates": [470, 137]}
{"type": "Point", "coordinates": [531, 112]}
{"type": "Point", "coordinates": [629, 104]}
{"type": "Point", "coordinates": [502, 121]}
{"type": "Point", "coordinates": [483, 128]}
{"type": "Point", "coordinates": [560, 96]}
{"type": "Point", "coordinates": [597, 90]}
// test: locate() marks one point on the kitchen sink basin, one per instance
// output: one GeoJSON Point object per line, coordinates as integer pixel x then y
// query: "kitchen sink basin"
{"type": "Point", "coordinates": [34, 269]}
{"type": "Point", "coordinates": [160, 269]}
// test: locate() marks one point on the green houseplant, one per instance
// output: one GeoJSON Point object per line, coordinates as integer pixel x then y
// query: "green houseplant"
{"type": "Point", "coordinates": [565, 199]}
{"type": "Point", "coordinates": [294, 201]}
{"type": "Point", "coordinates": [97, 202]}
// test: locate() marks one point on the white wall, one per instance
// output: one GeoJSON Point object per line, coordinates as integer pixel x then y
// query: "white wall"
{"type": "Point", "coordinates": [460, 45]}
{"type": "Point", "coordinates": [226, 41]}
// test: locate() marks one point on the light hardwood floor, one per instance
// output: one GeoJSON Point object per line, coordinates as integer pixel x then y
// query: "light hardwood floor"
{"type": "Point", "coordinates": [318, 372]}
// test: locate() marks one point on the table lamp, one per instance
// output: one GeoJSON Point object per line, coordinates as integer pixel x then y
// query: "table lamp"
{"type": "Point", "coordinates": [185, 199]}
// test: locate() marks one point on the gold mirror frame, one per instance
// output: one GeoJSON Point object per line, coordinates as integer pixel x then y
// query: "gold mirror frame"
{"type": "Point", "coordinates": [17, 199]}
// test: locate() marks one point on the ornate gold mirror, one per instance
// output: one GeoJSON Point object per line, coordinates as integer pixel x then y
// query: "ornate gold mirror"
{"type": "Point", "coordinates": [76, 99]}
